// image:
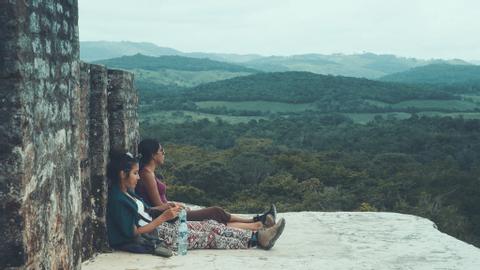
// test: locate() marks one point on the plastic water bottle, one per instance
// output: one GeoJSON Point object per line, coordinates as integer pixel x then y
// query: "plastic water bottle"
{"type": "Point", "coordinates": [182, 240]}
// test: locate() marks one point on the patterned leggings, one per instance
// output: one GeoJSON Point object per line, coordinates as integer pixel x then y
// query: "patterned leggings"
{"type": "Point", "coordinates": [208, 234]}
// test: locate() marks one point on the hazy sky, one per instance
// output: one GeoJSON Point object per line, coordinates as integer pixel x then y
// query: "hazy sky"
{"type": "Point", "coordinates": [413, 28]}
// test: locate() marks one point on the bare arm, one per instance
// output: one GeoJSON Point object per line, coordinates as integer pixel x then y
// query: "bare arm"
{"type": "Point", "coordinates": [163, 207]}
{"type": "Point", "coordinates": [167, 215]}
{"type": "Point", "coordinates": [150, 183]}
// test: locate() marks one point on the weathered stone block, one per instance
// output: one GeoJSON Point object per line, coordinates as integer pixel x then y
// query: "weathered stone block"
{"type": "Point", "coordinates": [99, 149]}
{"type": "Point", "coordinates": [122, 108]}
{"type": "Point", "coordinates": [84, 131]}
{"type": "Point", "coordinates": [94, 185]}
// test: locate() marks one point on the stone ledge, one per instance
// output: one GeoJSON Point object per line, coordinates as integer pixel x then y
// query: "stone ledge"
{"type": "Point", "coordinates": [317, 240]}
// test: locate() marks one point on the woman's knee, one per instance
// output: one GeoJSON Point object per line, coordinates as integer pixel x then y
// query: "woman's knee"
{"type": "Point", "coordinates": [221, 214]}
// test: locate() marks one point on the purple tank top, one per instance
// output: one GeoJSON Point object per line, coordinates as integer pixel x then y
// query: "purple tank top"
{"type": "Point", "coordinates": [162, 190]}
{"type": "Point", "coordinates": [161, 187]}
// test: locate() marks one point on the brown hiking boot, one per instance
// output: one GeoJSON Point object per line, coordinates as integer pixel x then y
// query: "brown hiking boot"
{"type": "Point", "coordinates": [267, 237]}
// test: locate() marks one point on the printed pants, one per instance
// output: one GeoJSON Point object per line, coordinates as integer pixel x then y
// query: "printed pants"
{"type": "Point", "coordinates": [208, 234]}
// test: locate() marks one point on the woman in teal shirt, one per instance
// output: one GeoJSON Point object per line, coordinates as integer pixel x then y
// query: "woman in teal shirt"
{"type": "Point", "coordinates": [128, 218]}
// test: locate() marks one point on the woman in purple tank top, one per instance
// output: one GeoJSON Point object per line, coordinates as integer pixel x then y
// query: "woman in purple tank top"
{"type": "Point", "coordinates": [153, 191]}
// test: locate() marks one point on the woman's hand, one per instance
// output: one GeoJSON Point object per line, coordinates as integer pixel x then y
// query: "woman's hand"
{"type": "Point", "coordinates": [181, 205]}
{"type": "Point", "coordinates": [170, 213]}
{"type": "Point", "coordinates": [184, 206]}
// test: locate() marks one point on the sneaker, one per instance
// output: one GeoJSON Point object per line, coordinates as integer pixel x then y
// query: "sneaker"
{"type": "Point", "coordinates": [163, 251]}
{"type": "Point", "coordinates": [273, 211]}
{"type": "Point", "coordinates": [269, 221]}
{"type": "Point", "coordinates": [263, 218]}
{"type": "Point", "coordinates": [267, 237]}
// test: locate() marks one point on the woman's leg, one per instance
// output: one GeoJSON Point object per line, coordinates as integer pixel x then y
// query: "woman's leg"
{"type": "Point", "coordinates": [235, 221]}
{"type": "Point", "coordinates": [246, 226]}
{"type": "Point", "coordinates": [239, 219]}
{"type": "Point", "coordinates": [215, 213]}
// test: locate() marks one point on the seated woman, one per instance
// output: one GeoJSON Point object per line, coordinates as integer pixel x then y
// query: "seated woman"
{"type": "Point", "coordinates": [153, 191]}
{"type": "Point", "coordinates": [127, 218]}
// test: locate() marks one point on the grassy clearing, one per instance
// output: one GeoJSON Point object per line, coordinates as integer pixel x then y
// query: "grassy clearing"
{"type": "Point", "coordinates": [452, 105]}
{"type": "Point", "coordinates": [465, 115]}
{"type": "Point", "coordinates": [377, 103]}
{"type": "Point", "coordinates": [473, 98]}
{"type": "Point", "coordinates": [363, 118]}
{"type": "Point", "coordinates": [184, 78]}
{"type": "Point", "coordinates": [264, 106]}
{"type": "Point", "coordinates": [182, 116]}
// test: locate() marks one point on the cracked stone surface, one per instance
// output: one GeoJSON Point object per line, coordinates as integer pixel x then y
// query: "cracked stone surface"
{"type": "Point", "coordinates": [334, 240]}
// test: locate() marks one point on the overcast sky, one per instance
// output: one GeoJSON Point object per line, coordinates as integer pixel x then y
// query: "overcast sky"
{"type": "Point", "coordinates": [412, 28]}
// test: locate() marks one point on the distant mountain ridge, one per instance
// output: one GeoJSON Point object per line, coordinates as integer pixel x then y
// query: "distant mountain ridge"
{"type": "Point", "coordinates": [366, 65]}
{"type": "Point", "coordinates": [361, 65]}
{"type": "Point", "coordinates": [174, 62]}
{"type": "Point", "coordinates": [99, 50]}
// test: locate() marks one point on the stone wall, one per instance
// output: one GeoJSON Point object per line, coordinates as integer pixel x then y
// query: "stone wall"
{"type": "Point", "coordinates": [40, 165]}
{"type": "Point", "coordinates": [55, 137]}
{"type": "Point", "coordinates": [111, 123]}
{"type": "Point", "coordinates": [102, 126]}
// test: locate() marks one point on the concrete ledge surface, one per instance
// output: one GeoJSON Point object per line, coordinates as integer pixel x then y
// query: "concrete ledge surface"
{"type": "Point", "coordinates": [318, 240]}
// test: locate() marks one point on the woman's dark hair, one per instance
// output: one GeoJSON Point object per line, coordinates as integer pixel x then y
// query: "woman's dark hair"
{"type": "Point", "coordinates": [147, 148]}
{"type": "Point", "coordinates": [119, 161]}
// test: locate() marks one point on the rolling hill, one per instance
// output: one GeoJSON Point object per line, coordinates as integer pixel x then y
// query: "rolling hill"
{"type": "Point", "coordinates": [438, 74]}
{"type": "Point", "coordinates": [261, 95]}
{"type": "Point", "coordinates": [173, 62]}
{"type": "Point", "coordinates": [169, 74]}
{"type": "Point", "coordinates": [303, 87]}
